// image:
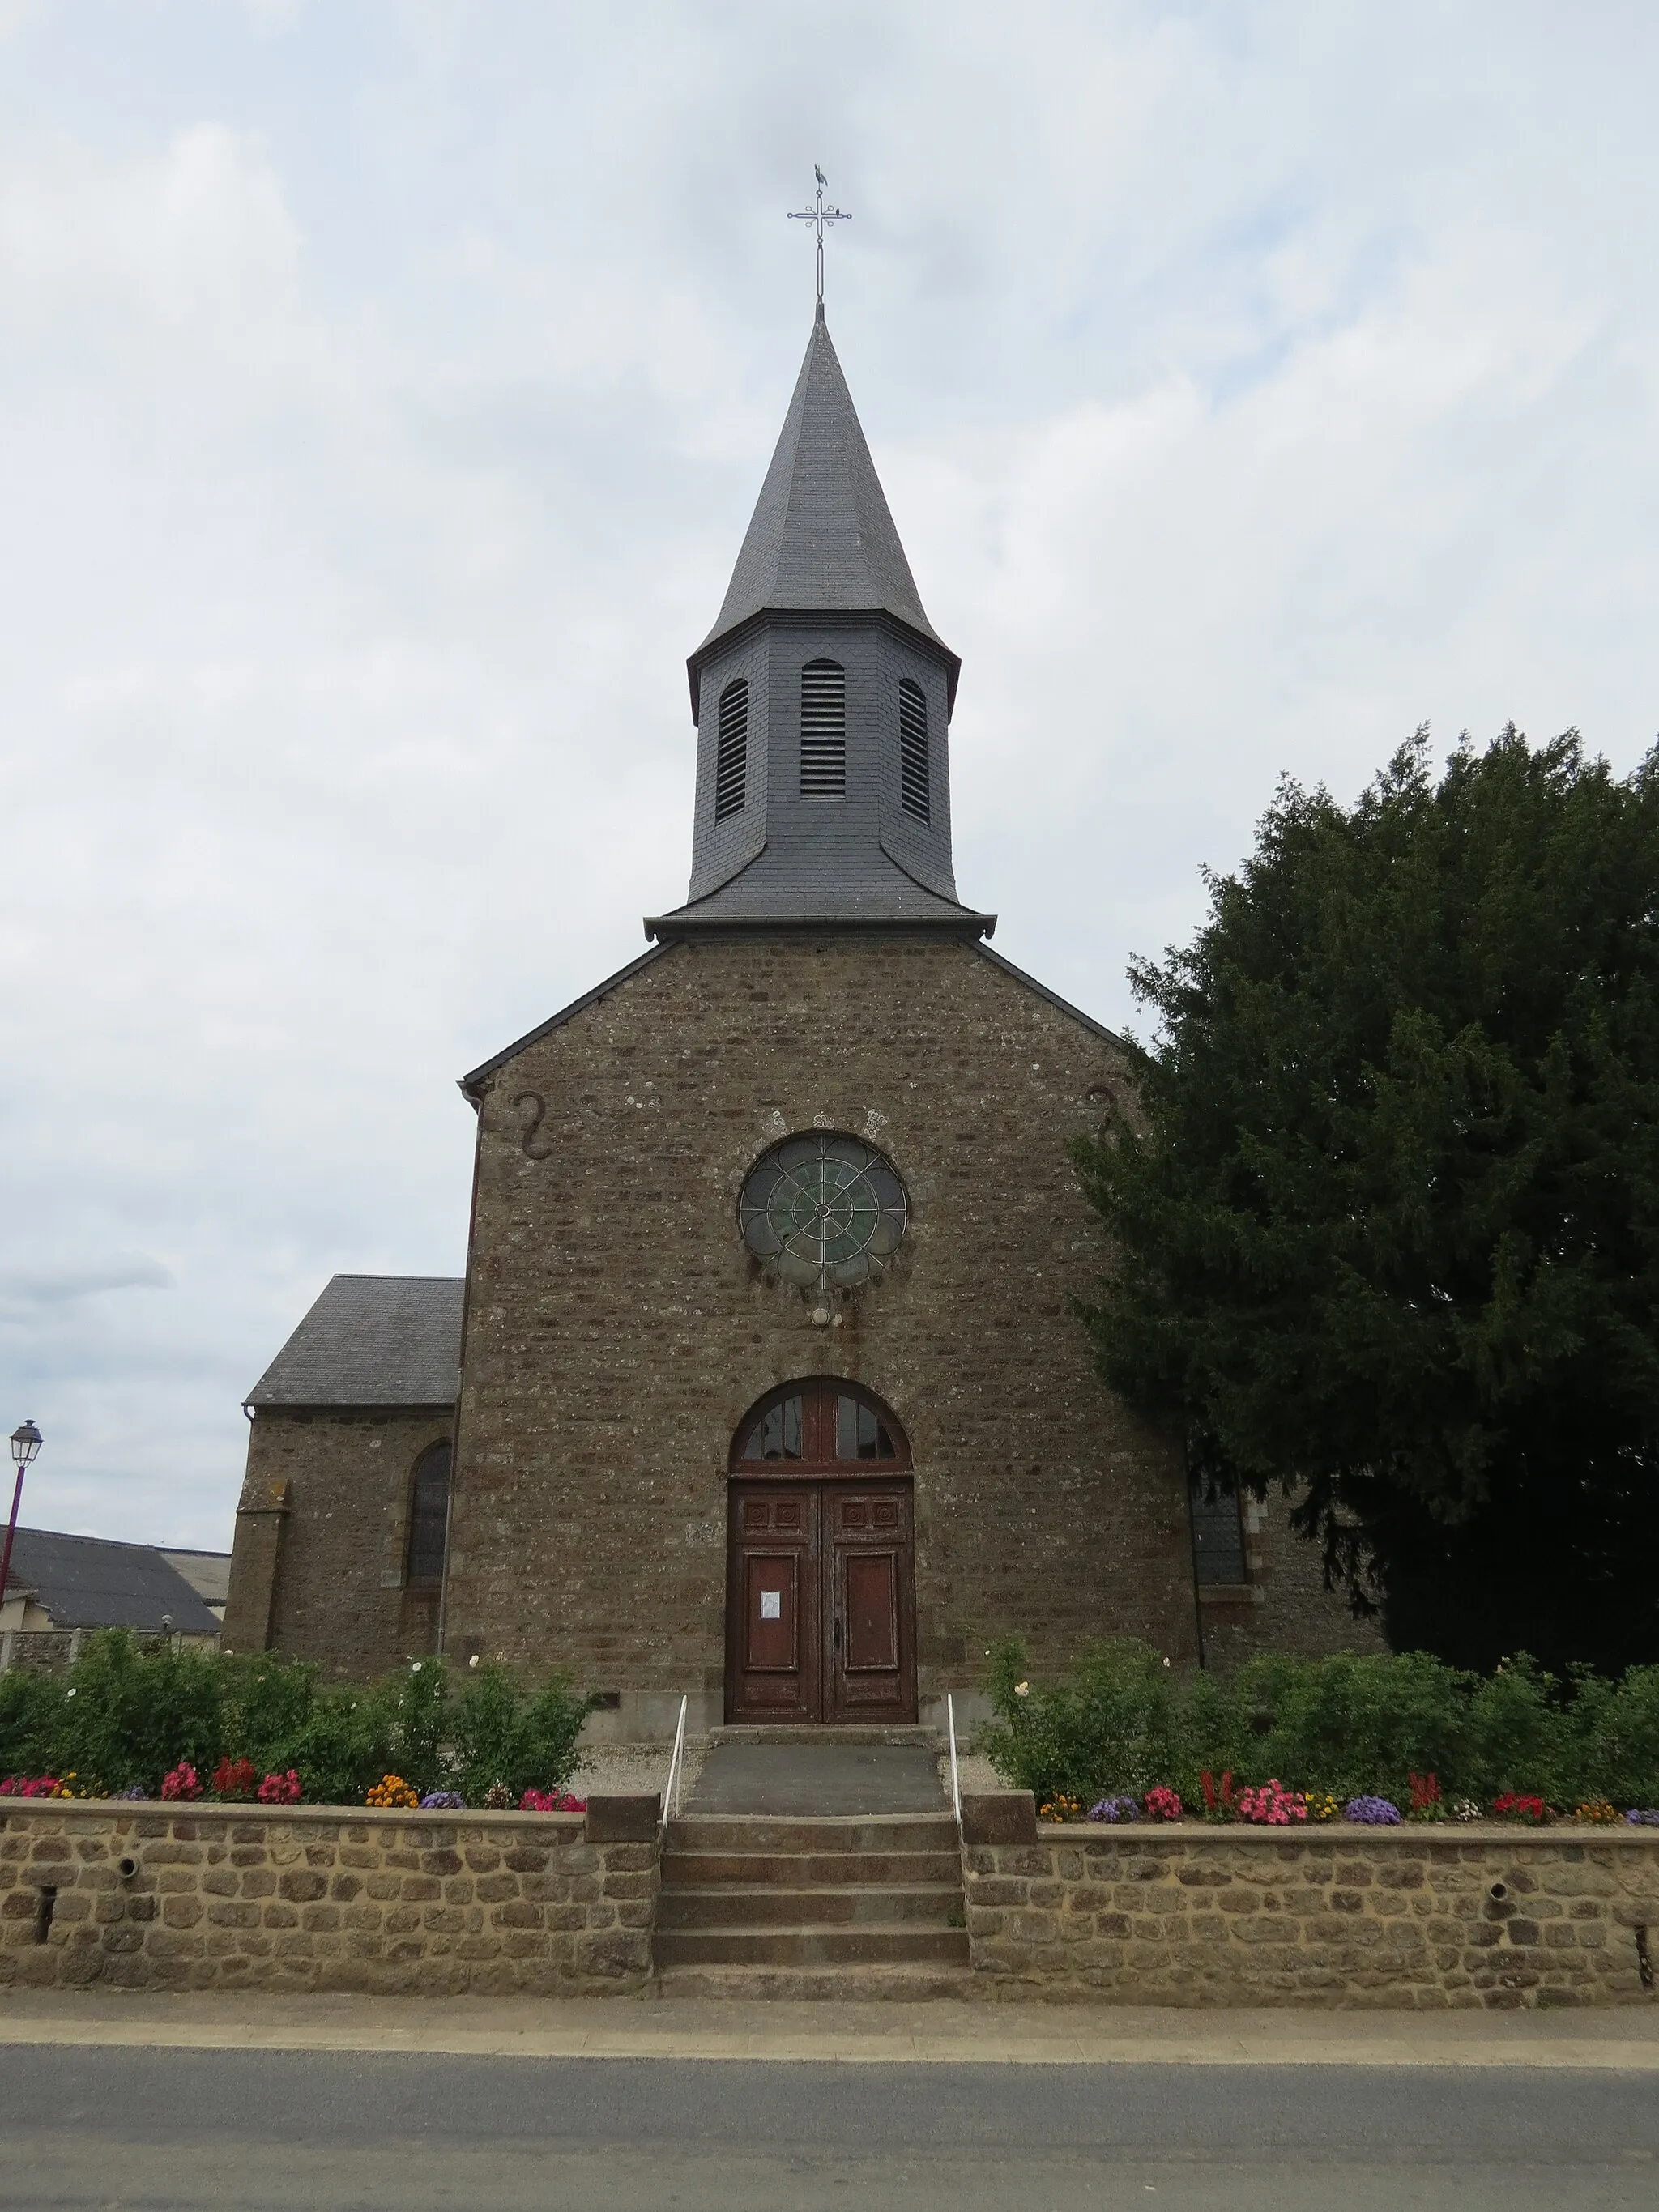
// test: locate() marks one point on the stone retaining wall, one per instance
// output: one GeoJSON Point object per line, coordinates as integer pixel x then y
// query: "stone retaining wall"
{"type": "Point", "coordinates": [1486, 1915]}
{"type": "Point", "coordinates": [439, 1903]}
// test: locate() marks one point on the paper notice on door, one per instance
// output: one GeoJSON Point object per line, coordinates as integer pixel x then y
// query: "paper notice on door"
{"type": "Point", "coordinates": [771, 1605]}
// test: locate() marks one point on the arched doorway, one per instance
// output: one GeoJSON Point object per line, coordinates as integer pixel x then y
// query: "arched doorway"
{"type": "Point", "coordinates": [820, 1581]}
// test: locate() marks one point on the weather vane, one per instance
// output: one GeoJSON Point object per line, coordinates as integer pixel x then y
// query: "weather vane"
{"type": "Point", "coordinates": [819, 216]}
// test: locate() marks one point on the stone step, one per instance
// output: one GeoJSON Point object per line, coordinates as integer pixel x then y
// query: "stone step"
{"type": "Point", "coordinates": [854, 1985]}
{"type": "Point", "coordinates": [899, 1736]}
{"type": "Point", "coordinates": [806, 1869]}
{"type": "Point", "coordinates": [727, 1832]}
{"type": "Point", "coordinates": [892, 1944]}
{"type": "Point", "coordinates": [757, 1905]}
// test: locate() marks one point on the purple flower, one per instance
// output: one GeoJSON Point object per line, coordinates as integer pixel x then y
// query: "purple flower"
{"type": "Point", "coordinates": [443, 1801]}
{"type": "Point", "coordinates": [1644, 1816]}
{"type": "Point", "coordinates": [1115, 1809]}
{"type": "Point", "coordinates": [1375, 1812]}
{"type": "Point", "coordinates": [136, 1795]}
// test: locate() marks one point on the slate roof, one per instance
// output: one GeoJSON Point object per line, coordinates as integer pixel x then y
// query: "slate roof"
{"type": "Point", "coordinates": [207, 1574]}
{"type": "Point", "coordinates": [88, 1582]}
{"type": "Point", "coordinates": [372, 1341]}
{"type": "Point", "coordinates": [821, 537]}
{"type": "Point", "coordinates": [830, 880]}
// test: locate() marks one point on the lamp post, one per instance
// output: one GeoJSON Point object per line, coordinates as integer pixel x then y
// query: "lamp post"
{"type": "Point", "coordinates": [25, 1443]}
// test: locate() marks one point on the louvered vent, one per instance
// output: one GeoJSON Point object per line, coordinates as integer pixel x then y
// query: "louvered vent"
{"type": "Point", "coordinates": [823, 730]}
{"type": "Point", "coordinates": [731, 751]}
{"type": "Point", "coordinates": [913, 750]}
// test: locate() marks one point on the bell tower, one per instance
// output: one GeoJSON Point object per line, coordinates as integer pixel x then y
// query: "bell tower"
{"type": "Point", "coordinates": [823, 698]}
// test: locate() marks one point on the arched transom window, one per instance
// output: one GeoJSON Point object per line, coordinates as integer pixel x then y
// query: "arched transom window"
{"type": "Point", "coordinates": [816, 1427]}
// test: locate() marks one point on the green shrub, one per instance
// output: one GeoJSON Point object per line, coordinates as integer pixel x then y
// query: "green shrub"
{"type": "Point", "coordinates": [340, 1747]}
{"type": "Point", "coordinates": [125, 1714]}
{"type": "Point", "coordinates": [130, 1713]}
{"type": "Point", "coordinates": [1122, 1719]}
{"type": "Point", "coordinates": [31, 1715]}
{"type": "Point", "coordinates": [1614, 1752]}
{"type": "Point", "coordinates": [1118, 1715]}
{"type": "Point", "coordinates": [498, 1734]}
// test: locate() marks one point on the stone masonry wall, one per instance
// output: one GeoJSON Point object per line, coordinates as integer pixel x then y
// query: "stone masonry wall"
{"type": "Point", "coordinates": [432, 1904]}
{"type": "Point", "coordinates": [340, 1597]}
{"type": "Point", "coordinates": [1488, 1915]}
{"type": "Point", "coordinates": [618, 1330]}
{"type": "Point", "coordinates": [1287, 1606]}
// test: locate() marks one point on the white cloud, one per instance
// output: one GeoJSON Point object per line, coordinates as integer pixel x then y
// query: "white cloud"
{"type": "Point", "coordinates": [24, 1289]}
{"type": "Point", "coordinates": [382, 398]}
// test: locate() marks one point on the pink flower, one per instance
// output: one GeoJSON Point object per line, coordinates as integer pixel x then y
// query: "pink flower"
{"type": "Point", "coordinates": [1271, 1806]}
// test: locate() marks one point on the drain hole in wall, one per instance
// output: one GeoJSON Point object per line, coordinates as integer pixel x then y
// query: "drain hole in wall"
{"type": "Point", "coordinates": [126, 1868]}
{"type": "Point", "coordinates": [1498, 1892]}
{"type": "Point", "coordinates": [43, 1913]}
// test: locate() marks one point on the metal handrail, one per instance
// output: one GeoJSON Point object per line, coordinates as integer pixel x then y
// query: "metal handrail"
{"type": "Point", "coordinates": [671, 1804]}
{"type": "Point", "coordinates": [955, 1779]}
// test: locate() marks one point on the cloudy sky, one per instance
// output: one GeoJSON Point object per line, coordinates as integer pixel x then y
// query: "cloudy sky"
{"type": "Point", "coordinates": [383, 390]}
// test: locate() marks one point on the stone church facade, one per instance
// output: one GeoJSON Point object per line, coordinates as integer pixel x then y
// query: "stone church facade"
{"type": "Point", "coordinates": [762, 1386]}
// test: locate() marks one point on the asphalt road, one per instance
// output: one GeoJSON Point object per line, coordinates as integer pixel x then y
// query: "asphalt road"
{"type": "Point", "coordinates": [175, 2130]}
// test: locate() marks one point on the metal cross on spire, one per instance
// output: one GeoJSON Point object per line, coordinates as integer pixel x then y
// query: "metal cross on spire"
{"type": "Point", "coordinates": [819, 216]}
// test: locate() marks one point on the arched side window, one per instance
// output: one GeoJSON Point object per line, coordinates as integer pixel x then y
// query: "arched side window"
{"type": "Point", "coordinates": [428, 1518]}
{"type": "Point", "coordinates": [1218, 1536]}
{"type": "Point", "coordinates": [823, 730]}
{"type": "Point", "coordinates": [818, 1426]}
{"type": "Point", "coordinates": [913, 750]}
{"type": "Point", "coordinates": [731, 751]}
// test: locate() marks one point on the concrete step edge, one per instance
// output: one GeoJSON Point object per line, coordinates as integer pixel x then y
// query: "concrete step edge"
{"type": "Point", "coordinates": [811, 1889]}
{"type": "Point", "coordinates": [853, 1982]}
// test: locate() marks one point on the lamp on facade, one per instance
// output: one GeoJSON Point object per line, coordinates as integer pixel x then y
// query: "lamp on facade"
{"type": "Point", "coordinates": [25, 1443]}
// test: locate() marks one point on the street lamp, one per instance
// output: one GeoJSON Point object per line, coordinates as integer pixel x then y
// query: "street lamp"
{"type": "Point", "coordinates": [25, 1443]}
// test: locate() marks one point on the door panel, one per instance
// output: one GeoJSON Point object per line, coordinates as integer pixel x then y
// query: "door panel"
{"type": "Point", "coordinates": [773, 1575]}
{"type": "Point", "coordinates": [770, 1622]}
{"type": "Point", "coordinates": [870, 1672]}
{"type": "Point", "coordinates": [820, 1603]}
{"type": "Point", "coordinates": [870, 1641]}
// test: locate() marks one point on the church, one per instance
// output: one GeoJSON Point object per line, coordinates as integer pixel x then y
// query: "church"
{"type": "Point", "coordinates": [762, 1386]}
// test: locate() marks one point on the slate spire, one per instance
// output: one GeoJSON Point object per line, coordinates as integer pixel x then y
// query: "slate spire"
{"type": "Point", "coordinates": [821, 536]}
{"type": "Point", "coordinates": [823, 698]}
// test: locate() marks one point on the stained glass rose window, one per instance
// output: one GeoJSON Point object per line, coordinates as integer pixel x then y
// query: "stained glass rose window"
{"type": "Point", "coordinates": [823, 1212]}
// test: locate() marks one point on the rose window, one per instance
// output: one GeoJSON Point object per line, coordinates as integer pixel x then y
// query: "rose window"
{"type": "Point", "coordinates": [825, 1213]}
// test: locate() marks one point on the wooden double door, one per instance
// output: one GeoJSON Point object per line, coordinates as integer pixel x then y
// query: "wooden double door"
{"type": "Point", "coordinates": [821, 1602]}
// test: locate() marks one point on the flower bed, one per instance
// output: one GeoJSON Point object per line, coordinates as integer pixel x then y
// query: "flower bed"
{"type": "Point", "coordinates": [1284, 1741]}
{"type": "Point", "coordinates": [189, 1726]}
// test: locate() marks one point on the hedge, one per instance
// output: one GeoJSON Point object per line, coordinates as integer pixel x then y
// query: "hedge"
{"type": "Point", "coordinates": [1124, 1719]}
{"type": "Point", "coordinates": [123, 1716]}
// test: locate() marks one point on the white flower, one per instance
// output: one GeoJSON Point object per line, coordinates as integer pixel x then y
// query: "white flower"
{"type": "Point", "coordinates": [1022, 1689]}
{"type": "Point", "coordinates": [473, 1660]}
{"type": "Point", "coordinates": [1166, 1663]}
{"type": "Point", "coordinates": [416, 1668]}
{"type": "Point", "coordinates": [68, 1693]}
